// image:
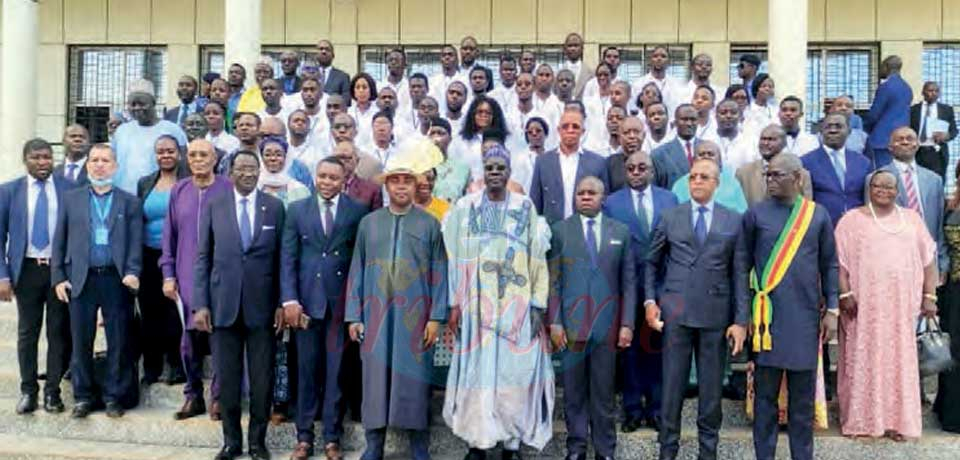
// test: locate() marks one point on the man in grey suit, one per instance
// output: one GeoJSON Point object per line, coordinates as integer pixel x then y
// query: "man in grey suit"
{"type": "Point", "coordinates": [920, 189]}
{"type": "Point", "coordinates": [752, 176]}
{"type": "Point", "coordinates": [697, 240]}
{"type": "Point", "coordinates": [593, 306]}
{"type": "Point", "coordinates": [673, 159]}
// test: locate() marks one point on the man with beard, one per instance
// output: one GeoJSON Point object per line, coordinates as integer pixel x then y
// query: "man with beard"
{"type": "Point", "coordinates": [630, 135]}
{"type": "Point", "coordinates": [189, 104]}
{"type": "Point", "coordinates": [133, 142]}
{"type": "Point", "coordinates": [737, 146]}
{"type": "Point", "coordinates": [456, 97]}
{"type": "Point", "coordinates": [271, 91]}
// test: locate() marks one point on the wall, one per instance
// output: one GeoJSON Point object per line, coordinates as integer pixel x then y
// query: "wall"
{"type": "Point", "coordinates": [709, 25]}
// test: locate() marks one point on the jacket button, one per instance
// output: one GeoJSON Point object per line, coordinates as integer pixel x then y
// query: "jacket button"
{"type": "Point", "coordinates": [339, 273]}
{"type": "Point", "coordinates": [323, 254]}
{"type": "Point", "coordinates": [318, 275]}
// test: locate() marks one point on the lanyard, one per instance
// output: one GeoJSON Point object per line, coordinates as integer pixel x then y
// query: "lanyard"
{"type": "Point", "coordinates": [102, 209]}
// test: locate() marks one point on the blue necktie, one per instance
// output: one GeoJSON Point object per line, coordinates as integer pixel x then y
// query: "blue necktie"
{"type": "Point", "coordinates": [592, 241]}
{"type": "Point", "coordinates": [838, 167]}
{"type": "Point", "coordinates": [246, 234]}
{"type": "Point", "coordinates": [72, 171]}
{"type": "Point", "coordinates": [700, 229]}
{"type": "Point", "coordinates": [40, 238]}
{"type": "Point", "coordinates": [642, 212]}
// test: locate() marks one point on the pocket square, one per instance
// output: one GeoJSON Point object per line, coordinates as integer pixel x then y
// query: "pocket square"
{"type": "Point", "coordinates": [268, 227]}
{"type": "Point", "coordinates": [616, 242]}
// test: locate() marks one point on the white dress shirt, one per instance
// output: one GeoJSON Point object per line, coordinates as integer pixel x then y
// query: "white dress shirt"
{"type": "Point", "coordinates": [929, 116]}
{"type": "Point", "coordinates": [568, 172]}
{"type": "Point", "coordinates": [226, 142]}
{"type": "Point", "coordinates": [439, 83]}
{"type": "Point", "coordinates": [382, 154]}
{"type": "Point", "coordinates": [669, 87]}
{"type": "Point", "coordinates": [251, 209]}
{"type": "Point", "coordinates": [33, 192]}
{"type": "Point", "coordinates": [646, 202]}
{"type": "Point", "coordinates": [741, 150]}
{"type": "Point", "coordinates": [80, 165]}
{"type": "Point", "coordinates": [801, 145]}
{"type": "Point", "coordinates": [506, 97]}
{"type": "Point", "coordinates": [719, 91]}
{"type": "Point", "coordinates": [596, 228]}
{"type": "Point", "coordinates": [521, 168]}
{"type": "Point", "coordinates": [649, 144]}
{"type": "Point", "coordinates": [402, 88]}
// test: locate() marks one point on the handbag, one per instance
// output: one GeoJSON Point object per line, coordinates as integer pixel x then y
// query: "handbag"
{"type": "Point", "coordinates": [933, 347]}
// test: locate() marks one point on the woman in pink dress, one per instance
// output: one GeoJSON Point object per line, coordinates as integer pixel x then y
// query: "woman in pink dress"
{"type": "Point", "coordinates": [888, 277]}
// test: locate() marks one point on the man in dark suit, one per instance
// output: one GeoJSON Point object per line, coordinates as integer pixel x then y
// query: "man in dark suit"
{"type": "Point", "coordinates": [593, 303]}
{"type": "Point", "coordinates": [631, 134]}
{"type": "Point", "coordinates": [640, 207]}
{"type": "Point", "coordinates": [557, 172]}
{"type": "Point", "coordinates": [76, 145]}
{"type": "Point", "coordinates": [318, 244]}
{"type": "Point", "coordinates": [697, 240]}
{"type": "Point", "coordinates": [838, 174]}
{"type": "Point", "coordinates": [335, 81]}
{"type": "Point", "coordinates": [96, 263]}
{"type": "Point", "coordinates": [936, 126]}
{"type": "Point", "coordinates": [890, 109]}
{"type": "Point", "coordinates": [189, 104]}
{"type": "Point", "coordinates": [289, 81]}
{"type": "Point", "coordinates": [236, 297]}
{"type": "Point", "coordinates": [672, 160]}
{"type": "Point", "coordinates": [28, 218]}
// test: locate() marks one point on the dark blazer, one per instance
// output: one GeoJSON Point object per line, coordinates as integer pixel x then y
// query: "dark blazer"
{"type": "Point", "coordinates": [173, 114]}
{"type": "Point", "coordinates": [14, 223]}
{"type": "Point", "coordinates": [146, 183]}
{"type": "Point", "coordinates": [592, 303]}
{"type": "Point", "coordinates": [546, 186]}
{"type": "Point", "coordinates": [337, 82]}
{"type": "Point", "coordinates": [826, 187]}
{"type": "Point", "coordinates": [71, 244]}
{"type": "Point", "coordinates": [82, 179]}
{"type": "Point", "coordinates": [314, 268]}
{"type": "Point", "coordinates": [890, 110]}
{"type": "Point", "coordinates": [365, 193]}
{"type": "Point", "coordinates": [621, 206]}
{"type": "Point", "coordinates": [618, 172]}
{"type": "Point", "coordinates": [944, 113]}
{"type": "Point", "coordinates": [225, 274]}
{"type": "Point", "coordinates": [670, 163]}
{"type": "Point", "coordinates": [719, 297]}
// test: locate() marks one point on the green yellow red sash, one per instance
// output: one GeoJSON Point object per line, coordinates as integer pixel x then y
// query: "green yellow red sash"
{"type": "Point", "coordinates": [775, 269]}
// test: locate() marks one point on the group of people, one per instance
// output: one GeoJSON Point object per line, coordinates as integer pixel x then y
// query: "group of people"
{"type": "Point", "coordinates": [314, 232]}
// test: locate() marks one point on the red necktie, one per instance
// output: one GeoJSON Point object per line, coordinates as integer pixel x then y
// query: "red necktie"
{"type": "Point", "coordinates": [689, 153]}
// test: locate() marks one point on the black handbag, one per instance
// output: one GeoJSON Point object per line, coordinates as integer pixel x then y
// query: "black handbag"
{"type": "Point", "coordinates": [933, 347]}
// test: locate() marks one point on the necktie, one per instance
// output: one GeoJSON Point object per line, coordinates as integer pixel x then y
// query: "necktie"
{"type": "Point", "coordinates": [183, 114]}
{"type": "Point", "coordinates": [700, 229]}
{"type": "Point", "coordinates": [592, 241]}
{"type": "Point", "coordinates": [40, 238]}
{"type": "Point", "coordinates": [689, 153]}
{"type": "Point", "coordinates": [328, 218]}
{"type": "Point", "coordinates": [838, 168]}
{"type": "Point", "coordinates": [641, 211]}
{"type": "Point", "coordinates": [322, 76]}
{"type": "Point", "coordinates": [246, 233]}
{"type": "Point", "coordinates": [913, 201]}
{"type": "Point", "coordinates": [72, 171]}
{"type": "Point", "coordinates": [923, 124]}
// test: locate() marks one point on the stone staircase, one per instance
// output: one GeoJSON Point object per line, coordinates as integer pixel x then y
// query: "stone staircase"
{"type": "Point", "coordinates": [150, 433]}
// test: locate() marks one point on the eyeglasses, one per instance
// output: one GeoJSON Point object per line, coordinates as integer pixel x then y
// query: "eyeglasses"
{"type": "Point", "coordinates": [342, 126]}
{"type": "Point", "coordinates": [637, 168]}
{"type": "Point", "coordinates": [492, 168]}
{"type": "Point", "coordinates": [571, 126]}
{"type": "Point", "coordinates": [776, 175]}
{"type": "Point", "coordinates": [700, 176]}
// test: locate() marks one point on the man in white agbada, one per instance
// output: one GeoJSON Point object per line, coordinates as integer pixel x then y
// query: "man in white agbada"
{"type": "Point", "coordinates": [501, 384]}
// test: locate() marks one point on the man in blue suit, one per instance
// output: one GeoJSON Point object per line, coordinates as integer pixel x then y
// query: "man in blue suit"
{"type": "Point", "coordinates": [640, 206]}
{"type": "Point", "coordinates": [838, 174]}
{"type": "Point", "coordinates": [890, 110]}
{"type": "Point", "coordinates": [698, 240]}
{"type": "Point", "coordinates": [96, 263]}
{"type": "Point", "coordinates": [28, 219]}
{"type": "Point", "coordinates": [318, 244]}
{"type": "Point", "coordinates": [236, 297]}
{"type": "Point", "coordinates": [557, 172]}
{"type": "Point", "coordinates": [594, 305]}
{"type": "Point", "coordinates": [672, 160]}
{"type": "Point", "coordinates": [76, 145]}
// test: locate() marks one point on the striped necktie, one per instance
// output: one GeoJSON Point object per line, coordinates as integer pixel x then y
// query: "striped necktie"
{"type": "Point", "coordinates": [913, 198]}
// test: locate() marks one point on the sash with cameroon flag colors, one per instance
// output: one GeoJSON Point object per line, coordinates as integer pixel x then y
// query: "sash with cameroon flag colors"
{"type": "Point", "coordinates": [775, 269]}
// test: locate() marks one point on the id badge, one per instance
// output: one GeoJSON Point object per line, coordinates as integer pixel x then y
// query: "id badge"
{"type": "Point", "coordinates": [100, 236]}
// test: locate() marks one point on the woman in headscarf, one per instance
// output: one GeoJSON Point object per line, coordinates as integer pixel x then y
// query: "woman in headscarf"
{"type": "Point", "coordinates": [281, 177]}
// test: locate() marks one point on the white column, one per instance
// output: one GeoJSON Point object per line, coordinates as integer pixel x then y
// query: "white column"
{"type": "Point", "coordinates": [241, 40]}
{"type": "Point", "coordinates": [18, 82]}
{"type": "Point", "coordinates": [787, 39]}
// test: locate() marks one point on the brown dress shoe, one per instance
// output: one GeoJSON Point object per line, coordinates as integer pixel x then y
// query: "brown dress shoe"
{"type": "Point", "coordinates": [303, 451]}
{"type": "Point", "coordinates": [191, 408]}
{"type": "Point", "coordinates": [215, 411]}
{"type": "Point", "coordinates": [277, 419]}
{"type": "Point", "coordinates": [332, 451]}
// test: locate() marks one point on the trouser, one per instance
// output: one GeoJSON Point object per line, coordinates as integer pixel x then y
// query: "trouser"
{"type": "Point", "coordinates": [641, 368]}
{"type": "Point", "coordinates": [231, 343]}
{"type": "Point", "coordinates": [102, 289]}
{"type": "Point", "coordinates": [319, 349]}
{"type": "Point", "coordinates": [709, 346]}
{"type": "Point", "coordinates": [285, 374]}
{"type": "Point", "coordinates": [377, 438]}
{"type": "Point", "coordinates": [194, 345]}
{"type": "Point", "coordinates": [34, 292]}
{"type": "Point", "coordinates": [800, 391]}
{"type": "Point", "coordinates": [160, 328]}
{"type": "Point", "coordinates": [935, 160]}
{"type": "Point", "coordinates": [589, 397]}
{"type": "Point", "coordinates": [351, 379]}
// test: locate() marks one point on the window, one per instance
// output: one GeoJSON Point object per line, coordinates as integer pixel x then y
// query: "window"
{"type": "Point", "coordinates": [832, 70]}
{"type": "Point", "coordinates": [212, 58]}
{"type": "Point", "coordinates": [99, 78]}
{"type": "Point", "coordinates": [634, 58]}
{"type": "Point", "coordinates": [941, 63]}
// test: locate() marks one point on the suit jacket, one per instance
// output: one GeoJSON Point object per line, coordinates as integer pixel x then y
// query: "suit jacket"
{"type": "Point", "coordinates": [890, 110]}
{"type": "Point", "coordinates": [14, 223]}
{"type": "Point", "coordinates": [71, 243]}
{"type": "Point", "coordinates": [944, 113]}
{"type": "Point", "coordinates": [146, 183]}
{"type": "Point", "coordinates": [618, 172]}
{"type": "Point", "coordinates": [622, 207]}
{"type": "Point", "coordinates": [227, 278]}
{"type": "Point", "coordinates": [754, 185]}
{"type": "Point", "coordinates": [60, 171]}
{"type": "Point", "coordinates": [314, 267]}
{"type": "Point", "coordinates": [826, 187]}
{"type": "Point", "coordinates": [719, 297]}
{"type": "Point", "coordinates": [586, 73]}
{"type": "Point", "coordinates": [365, 193]}
{"type": "Point", "coordinates": [670, 163]}
{"type": "Point", "coordinates": [173, 114]}
{"type": "Point", "coordinates": [931, 200]}
{"type": "Point", "coordinates": [546, 186]}
{"type": "Point", "coordinates": [592, 303]}
{"type": "Point", "coordinates": [337, 82]}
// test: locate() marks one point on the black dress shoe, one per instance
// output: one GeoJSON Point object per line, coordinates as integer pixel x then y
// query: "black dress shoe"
{"type": "Point", "coordinates": [510, 455]}
{"type": "Point", "coordinates": [228, 453]}
{"type": "Point", "coordinates": [191, 408]}
{"type": "Point", "coordinates": [653, 424]}
{"type": "Point", "coordinates": [630, 425]}
{"type": "Point", "coordinates": [27, 404]}
{"type": "Point", "coordinates": [259, 453]}
{"type": "Point", "coordinates": [576, 457]}
{"type": "Point", "coordinates": [114, 410]}
{"type": "Point", "coordinates": [53, 404]}
{"type": "Point", "coordinates": [475, 454]}
{"type": "Point", "coordinates": [82, 410]}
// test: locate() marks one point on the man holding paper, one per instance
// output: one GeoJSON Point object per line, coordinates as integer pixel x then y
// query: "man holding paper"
{"type": "Point", "coordinates": [936, 126]}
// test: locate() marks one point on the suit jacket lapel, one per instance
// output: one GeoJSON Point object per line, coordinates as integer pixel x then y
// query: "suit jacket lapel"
{"type": "Point", "coordinates": [314, 218]}
{"type": "Point", "coordinates": [558, 178]}
{"type": "Point", "coordinates": [234, 218]}
{"type": "Point", "coordinates": [259, 215]}
{"type": "Point", "coordinates": [20, 198]}
{"type": "Point", "coordinates": [115, 204]}
{"type": "Point", "coordinates": [605, 239]}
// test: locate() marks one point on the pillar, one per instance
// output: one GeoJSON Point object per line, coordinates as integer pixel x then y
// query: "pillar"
{"type": "Point", "coordinates": [787, 44]}
{"type": "Point", "coordinates": [18, 82]}
{"type": "Point", "coordinates": [242, 35]}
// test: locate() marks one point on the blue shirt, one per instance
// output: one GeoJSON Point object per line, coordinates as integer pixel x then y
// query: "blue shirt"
{"type": "Point", "coordinates": [134, 146]}
{"type": "Point", "coordinates": [155, 213]}
{"type": "Point", "coordinates": [100, 254]}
